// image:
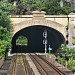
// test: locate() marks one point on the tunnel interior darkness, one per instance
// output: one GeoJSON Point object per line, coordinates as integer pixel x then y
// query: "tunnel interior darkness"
{"type": "Point", "coordinates": [34, 34]}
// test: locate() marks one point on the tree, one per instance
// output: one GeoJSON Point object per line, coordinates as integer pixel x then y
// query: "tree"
{"type": "Point", "coordinates": [52, 7]}
{"type": "Point", "coordinates": [5, 9]}
{"type": "Point", "coordinates": [24, 7]}
{"type": "Point", "coordinates": [5, 39]}
{"type": "Point", "coordinates": [5, 25]}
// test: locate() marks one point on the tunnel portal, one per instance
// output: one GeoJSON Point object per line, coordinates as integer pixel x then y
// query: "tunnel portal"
{"type": "Point", "coordinates": [34, 34]}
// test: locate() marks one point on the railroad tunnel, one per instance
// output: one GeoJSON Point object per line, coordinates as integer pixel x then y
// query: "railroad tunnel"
{"type": "Point", "coordinates": [34, 35]}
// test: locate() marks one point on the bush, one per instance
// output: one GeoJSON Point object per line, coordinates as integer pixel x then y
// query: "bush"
{"type": "Point", "coordinates": [60, 60]}
{"type": "Point", "coordinates": [5, 40]}
{"type": "Point", "coordinates": [71, 65]}
{"type": "Point", "coordinates": [68, 54]}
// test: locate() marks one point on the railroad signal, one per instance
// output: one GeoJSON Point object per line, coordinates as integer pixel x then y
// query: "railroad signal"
{"type": "Point", "coordinates": [45, 40]}
{"type": "Point", "coordinates": [49, 48]}
{"type": "Point", "coordinates": [45, 33]}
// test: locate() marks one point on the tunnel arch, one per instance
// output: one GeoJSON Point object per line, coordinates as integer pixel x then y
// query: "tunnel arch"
{"type": "Point", "coordinates": [35, 38]}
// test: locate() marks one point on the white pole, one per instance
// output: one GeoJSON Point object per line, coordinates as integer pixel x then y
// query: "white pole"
{"type": "Point", "coordinates": [45, 40]}
{"type": "Point", "coordinates": [45, 48]}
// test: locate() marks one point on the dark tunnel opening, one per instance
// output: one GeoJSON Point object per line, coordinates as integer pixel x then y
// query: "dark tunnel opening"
{"type": "Point", "coordinates": [34, 34]}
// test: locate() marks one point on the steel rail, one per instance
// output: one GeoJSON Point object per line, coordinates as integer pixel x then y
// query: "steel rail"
{"type": "Point", "coordinates": [43, 70]}
{"type": "Point", "coordinates": [53, 66]}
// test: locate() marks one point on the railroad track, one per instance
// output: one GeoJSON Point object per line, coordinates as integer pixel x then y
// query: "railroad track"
{"type": "Point", "coordinates": [45, 67]}
{"type": "Point", "coordinates": [20, 65]}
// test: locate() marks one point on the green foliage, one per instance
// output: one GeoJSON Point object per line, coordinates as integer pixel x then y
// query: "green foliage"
{"type": "Point", "coordinates": [27, 6]}
{"type": "Point", "coordinates": [62, 49]}
{"type": "Point", "coordinates": [5, 34]}
{"type": "Point", "coordinates": [22, 40]}
{"type": "Point", "coordinates": [5, 26]}
{"type": "Point", "coordinates": [4, 20]}
{"type": "Point", "coordinates": [65, 10]}
{"type": "Point", "coordinates": [50, 6]}
{"type": "Point", "coordinates": [5, 9]}
{"type": "Point", "coordinates": [2, 48]}
{"type": "Point", "coordinates": [60, 60]}
{"type": "Point", "coordinates": [71, 64]}
{"type": "Point", "coordinates": [67, 54]}
{"type": "Point", "coordinates": [5, 39]}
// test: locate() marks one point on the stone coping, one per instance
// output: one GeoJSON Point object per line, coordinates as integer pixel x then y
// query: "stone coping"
{"type": "Point", "coordinates": [46, 16]}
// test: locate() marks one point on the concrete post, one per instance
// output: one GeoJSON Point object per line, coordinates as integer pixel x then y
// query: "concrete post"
{"type": "Point", "coordinates": [15, 2]}
{"type": "Point", "coordinates": [71, 17]}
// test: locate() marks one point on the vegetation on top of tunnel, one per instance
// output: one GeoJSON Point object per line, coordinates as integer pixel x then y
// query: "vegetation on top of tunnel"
{"type": "Point", "coordinates": [52, 7]}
